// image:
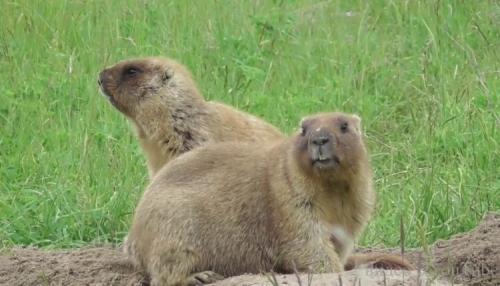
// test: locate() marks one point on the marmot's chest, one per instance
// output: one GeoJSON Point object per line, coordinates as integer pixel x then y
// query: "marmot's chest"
{"type": "Point", "coordinates": [344, 212]}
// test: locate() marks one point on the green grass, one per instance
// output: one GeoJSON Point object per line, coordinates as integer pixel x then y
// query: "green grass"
{"type": "Point", "coordinates": [423, 75]}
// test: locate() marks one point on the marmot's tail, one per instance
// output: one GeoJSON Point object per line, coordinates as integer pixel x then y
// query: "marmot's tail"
{"type": "Point", "coordinates": [377, 260]}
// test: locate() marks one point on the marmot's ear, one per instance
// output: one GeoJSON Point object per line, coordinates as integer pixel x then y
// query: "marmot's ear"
{"type": "Point", "coordinates": [301, 121]}
{"type": "Point", "coordinates": [303, 125]}
{"type": "Point", "coordinates": [357, 121]}
{"type": "Point", "coordinates": [168, 74]}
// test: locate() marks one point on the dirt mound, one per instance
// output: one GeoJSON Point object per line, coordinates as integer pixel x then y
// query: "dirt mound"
{"type": "Point", "coordinates": [96, 265]}
{"type": "Point", "coordinates": [472, 258]}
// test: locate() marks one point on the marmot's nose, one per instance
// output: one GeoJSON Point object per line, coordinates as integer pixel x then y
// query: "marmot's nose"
{"type": "Point", "coordinates": [99, 78]}
{"type": "Point", "coordinates": [320, 138]}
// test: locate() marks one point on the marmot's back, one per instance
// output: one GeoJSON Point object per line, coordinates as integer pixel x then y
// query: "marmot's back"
{"type": "Point", "coordinates": [216, 202]}
{"type": "Point", "coordinates": [160, 98]}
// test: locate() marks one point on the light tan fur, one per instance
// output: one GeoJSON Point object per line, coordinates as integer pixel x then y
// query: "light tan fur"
{"type": "Point", "coordinates": [237, 207]}
{"type": "Point", "coordinates": [170, 115]}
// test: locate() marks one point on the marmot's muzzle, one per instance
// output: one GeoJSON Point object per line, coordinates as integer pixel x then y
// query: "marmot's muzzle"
{"type": "Point", "coordinates": [321, 149]}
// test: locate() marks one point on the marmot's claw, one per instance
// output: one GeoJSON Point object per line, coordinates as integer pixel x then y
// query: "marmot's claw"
{"type": "Point", "coordinates": [202, 278]}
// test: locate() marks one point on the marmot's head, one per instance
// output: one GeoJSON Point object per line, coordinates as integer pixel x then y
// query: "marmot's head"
{"type": "Point", "coordinates": [157, 80]}
{"type": "Point", "coordinates": [330, 142]}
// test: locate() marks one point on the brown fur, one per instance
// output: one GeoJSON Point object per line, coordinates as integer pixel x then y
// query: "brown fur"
{"type": "Point", "coordinates": [170, 116]}
{"type": "Point", "coordinates": [377, 260]}
{"type": "Point", "coordinates": [236, 207]}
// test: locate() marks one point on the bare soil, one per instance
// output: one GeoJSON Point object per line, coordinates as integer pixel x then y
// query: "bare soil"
{"type": "Point", "coordinates": [471, 258]}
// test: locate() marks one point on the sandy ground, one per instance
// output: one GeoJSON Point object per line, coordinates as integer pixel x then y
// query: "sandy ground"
{"type": "Point", "coordinates": [471, 258]}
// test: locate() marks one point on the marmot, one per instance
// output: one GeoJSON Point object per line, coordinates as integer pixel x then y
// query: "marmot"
{"type": "Point", "coordinates": [231, 208]}
{"type": "Point", "coordinates": [170, 116]}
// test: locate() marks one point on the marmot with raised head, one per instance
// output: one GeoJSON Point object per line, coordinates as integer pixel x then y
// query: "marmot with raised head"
{"type": "Point", "coordinates": [231, 208]}
{"type": "Point", "coordinates": [170, 116]}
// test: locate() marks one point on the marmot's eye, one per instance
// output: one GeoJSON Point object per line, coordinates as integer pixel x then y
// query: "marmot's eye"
{"type": "Point", "coordinates": [130, 71]}
{"type": "Point", "coordinates": [343, 127]}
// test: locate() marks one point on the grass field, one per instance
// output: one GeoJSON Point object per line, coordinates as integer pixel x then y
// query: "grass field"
{"type": "Point", "coordinates": [423, 75]}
